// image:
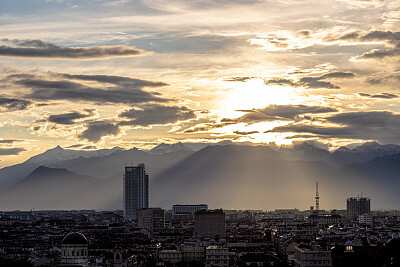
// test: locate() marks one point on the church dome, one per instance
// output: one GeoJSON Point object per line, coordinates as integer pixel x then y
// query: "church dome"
{"type": "Point", "coordinates": [74, 239]}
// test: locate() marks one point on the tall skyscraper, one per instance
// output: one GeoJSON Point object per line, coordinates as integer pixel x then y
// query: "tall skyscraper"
{"type": "Point", "coordinates": [136, 190]}
{"type": "Point", "coordinates": [357, 206]}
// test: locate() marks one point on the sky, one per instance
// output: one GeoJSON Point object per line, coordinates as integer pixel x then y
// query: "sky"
{"type": "Point", "coordinates": [99, 74]}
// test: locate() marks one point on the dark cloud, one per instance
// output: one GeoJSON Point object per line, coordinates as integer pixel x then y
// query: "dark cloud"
{"type": "Point", "coordinates": [75, 146]}
{"type": "Point", "coordinates": [70, 117]}
{"type": "Point", "coordinates": [305, 32]}
{"type": "Point", "coordinates": [359, 36]}
{"type": "Point", "coordinates": [390, 38]}
{"type": "Point", "coordinates": [198, 129]}
{"type": "Point", "coordinates": [279, 112]}
{"type": "Point", "coordinates": [384, 78]}
{"type": "Point", "coordinates": [364, 94]}
{"type": "Point", "coordinates": [313, 129]}
{"type": "Point", "coordinates": [337, 74]}
{"type": "Point", "coordinates": [383, 126]}
{"type": "Point", "coordinates": [379, 54]}
{"type": "Point", "coordinates": [366, 119]}
{"type": "Point", "coordinates": [117, 80]}
{"type": "Point", "coordinates": [120, 89]}
{"type": "Point", "coordinates": [41, 49]}
{"type": "Point", "coordinates": [205, 127]}
{"type": "Point", "coordinates": [156, 114]}
{"type": "Point", "coordinates": [282, 82]}
{"type": "Point", "coordinates": [98, 129]}
{"type": "Point", "coordinates": [12, 104]}
{"type": "Point", "coordinates": [315, 83]}
{"type": "Point", "coordinates": [380, 95]}
{"type": "Point", "coordinates": [238, 79]}
{"type": "Point", "coordinates": [311, 82]}
{"type": "Point", "coordinates": [9, 141]}
{"type": "Point", "coordinates": [245, 133]}
{"type": "Point", "coordinates": [381, 35]}
{"type": "Point", "coordinates": [11, 151]}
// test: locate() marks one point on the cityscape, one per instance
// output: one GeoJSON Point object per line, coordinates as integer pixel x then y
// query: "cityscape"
{"type": "Point", "coordinates": [187, 133]}
{"type": "Point", "coordinates": [194, 235]}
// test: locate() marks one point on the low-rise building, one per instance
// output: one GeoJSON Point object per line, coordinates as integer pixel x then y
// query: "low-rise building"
{"type": "Point", "coordinates": [307, 255]}
{"type": "Point", "coordinates": [216, 256]}
{"type": "Point", "coordinates": [193, 252]}
{"type": "Point", "coordinates": [172, 256]}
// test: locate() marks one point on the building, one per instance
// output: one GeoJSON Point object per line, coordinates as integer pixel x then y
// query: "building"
{"type": "Point", "coordinates": [172, 256]}
{"type": "Point", "coordinates": [153, 219]}
{"type": "Point", "coordinates": [311, 255]}
{"type": "Point", "coordinates": [136, 190]}
{"type": "Point", "coordinates": [325, 219]}
{"type": "Point", "coordinates": [74, 250]}
{"type": "Point", "coordinates": [193, 251]}
{"type": "Point", "coordinates": [192, 209]}
{"type": "Point", "coordinates": [209, 223]}
{"type": "Point", "coordinates": [365, 219]}
{"type": "Point", "coordinates": [216, 256]}
{"type": "Point", "coordinates": [357, 206]}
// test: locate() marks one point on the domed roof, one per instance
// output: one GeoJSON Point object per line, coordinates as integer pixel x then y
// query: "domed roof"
{"type": "Point", "coordinates": [75, 238]}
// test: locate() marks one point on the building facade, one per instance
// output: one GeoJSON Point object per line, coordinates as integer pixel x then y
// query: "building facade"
{"type": "Point", "coordinates": [209, 223]}
{"type": "Point", "coordinates": [74, 250]}
{"type": "Point", "coordinates": [216, 256]}
{"type": "Point", "coordinates": [153, 219]}
{"type": "Point", "coordinates": [176, 209]}
{"type": "Point", "coordinates": [357, 206]}
{"type": "Point", "coordinates": [136, 190]}
{"type": "Point", "coordinates": [172, 256]}
{"type": "Point", "coordinates": [307, 255]}
{"type": "Point", "coordinates": [193, 252]}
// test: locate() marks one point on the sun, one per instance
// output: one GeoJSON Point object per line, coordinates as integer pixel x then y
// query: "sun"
{"type": "Point", "coordinates": [255, 94]}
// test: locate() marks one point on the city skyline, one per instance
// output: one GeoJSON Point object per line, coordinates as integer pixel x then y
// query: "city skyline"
{"type": "Point", "coordinates": [101, 74]}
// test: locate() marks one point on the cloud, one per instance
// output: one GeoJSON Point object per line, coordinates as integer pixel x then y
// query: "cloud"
{"type": "Point", "coordinates": [380, 95]}
{"type": "Point", "coordinates": [156, 114]}
{"type": "Point", "coordinates": [11, 151]}
{"type": "Point", "coordinates": [13, 104]}
{"type": "Point", "coordinates": [279, 112]}
{"type": "Point", "coordinates": [70, 117]}
{"type": "Point", "coordinates": [327, 131]}
{"type": "Point", "coordinates": [281, 82]}
{"type": "Point", "coordinates": [95, 131]}
{"type": "Point", "coordinates": [41, 49]}
{"type": "Point", "coordinates": [76, 146]}
{"type": "Point", "coordinates": [382, 126]}
{"type": "Point", "coordinates": [366, 119]}
{"type": "Point", "coordinates": [245, 133]}
{"type": "Point", "coordinates": [111, 89]}
{"type": "Point", "coordinates": [311, 82]}
{"type": "Point", "coordinates": [389, 38]}
{"type": "Point", "coordinates": [238, 79]}
{"type": "Point", "coordinates": [378, 54]}
{"type": "Point", "coordinates": [9, 141]}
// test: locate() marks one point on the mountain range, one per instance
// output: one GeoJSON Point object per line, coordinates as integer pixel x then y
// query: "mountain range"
{"type": "Point", "coordinates": [228, 176]}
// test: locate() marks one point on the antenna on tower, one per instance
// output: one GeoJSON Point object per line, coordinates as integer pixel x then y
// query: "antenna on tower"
{"type": "Point", "coordinates": [316, 199]}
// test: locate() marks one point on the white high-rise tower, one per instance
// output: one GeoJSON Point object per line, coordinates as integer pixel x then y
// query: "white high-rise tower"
{"type": "Point", "coordinates": [136, 190]}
